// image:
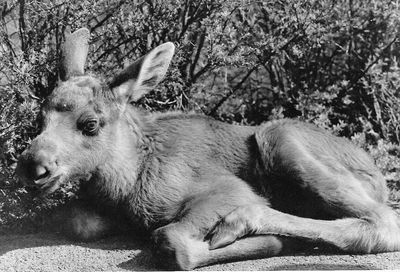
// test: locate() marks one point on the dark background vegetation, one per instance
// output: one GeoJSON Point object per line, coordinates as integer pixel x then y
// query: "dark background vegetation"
{"type": "Point", "coordinates": [331, 63]}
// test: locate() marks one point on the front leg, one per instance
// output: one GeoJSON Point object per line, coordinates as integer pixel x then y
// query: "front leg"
{"type": "Point", "coordinates": [176, 246]}
{"type": "Point", "coordinates": [183, 244]}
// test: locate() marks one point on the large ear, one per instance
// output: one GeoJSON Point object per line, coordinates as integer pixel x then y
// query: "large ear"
{"type": "Point", "coordinates": [74, 52]}
{"type": "Point", "coordinates": [144, 74]}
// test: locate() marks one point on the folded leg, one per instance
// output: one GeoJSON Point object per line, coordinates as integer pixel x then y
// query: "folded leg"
{"type": "Point", "coordinates": [360, 235]}
{"type": "Point", "coordinates": [184, 243]}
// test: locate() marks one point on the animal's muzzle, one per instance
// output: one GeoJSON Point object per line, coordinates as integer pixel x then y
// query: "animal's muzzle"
{"type": "Point", "coordinates": [37, 163]}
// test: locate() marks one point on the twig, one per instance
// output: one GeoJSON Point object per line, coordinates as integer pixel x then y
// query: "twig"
{"type": "Point", "coordinates": [233, 90]}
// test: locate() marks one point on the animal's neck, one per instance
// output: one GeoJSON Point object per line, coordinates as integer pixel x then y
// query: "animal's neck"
{"type": "Point", "coordinates": [129, 171]}
{"type": "Point", "coordinates": [150, 197]}
{"type": "Point", "coordinates": [118, 174]}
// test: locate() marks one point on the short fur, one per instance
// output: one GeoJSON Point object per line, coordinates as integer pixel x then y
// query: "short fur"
{"type": "Point", "coordinates": [199, 185]}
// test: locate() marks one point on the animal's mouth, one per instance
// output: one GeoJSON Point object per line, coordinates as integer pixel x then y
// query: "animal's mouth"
{"type": "Point", "coordinates": [46, 185]}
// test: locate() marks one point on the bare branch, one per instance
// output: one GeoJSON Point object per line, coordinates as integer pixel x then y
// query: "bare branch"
{"type": "Point", "coordinates": [213, 111]}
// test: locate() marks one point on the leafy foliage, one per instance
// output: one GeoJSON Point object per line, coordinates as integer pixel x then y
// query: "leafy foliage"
{"type": "Point", "coordinates": [332, 63]}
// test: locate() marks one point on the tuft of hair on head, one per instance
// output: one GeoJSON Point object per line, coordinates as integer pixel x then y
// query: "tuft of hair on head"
{"type": "Point", "coordinates": [74, 52]}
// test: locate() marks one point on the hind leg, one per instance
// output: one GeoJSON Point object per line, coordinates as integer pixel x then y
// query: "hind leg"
{"type": "Point", "coordinates": [343, 177]}
{"type": "Point", "coordinates": [359, 235]}
{"type": "Point", "coordinates": [345, 182]}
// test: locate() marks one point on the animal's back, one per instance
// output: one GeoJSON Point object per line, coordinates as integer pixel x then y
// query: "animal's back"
{"type": "Point", "coordinates": [203, 141]}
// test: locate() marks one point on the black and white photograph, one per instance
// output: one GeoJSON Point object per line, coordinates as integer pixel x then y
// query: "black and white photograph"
{"type": "Point", "coordinates": [214, 135]}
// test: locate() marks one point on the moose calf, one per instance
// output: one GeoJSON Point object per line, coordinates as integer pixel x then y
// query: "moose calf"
{"type": "Point", "coordinates": [208, 191]}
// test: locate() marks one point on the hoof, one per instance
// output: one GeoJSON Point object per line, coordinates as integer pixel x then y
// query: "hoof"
{"type": "Point", "coordinates": [174, 249]}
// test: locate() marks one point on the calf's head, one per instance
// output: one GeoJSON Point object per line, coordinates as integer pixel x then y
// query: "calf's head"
{"type": "Point", "coordinates": [84, 119]}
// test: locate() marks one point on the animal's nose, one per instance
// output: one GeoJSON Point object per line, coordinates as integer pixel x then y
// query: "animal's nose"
{"type": "Point", "coordinates": [33, 168]}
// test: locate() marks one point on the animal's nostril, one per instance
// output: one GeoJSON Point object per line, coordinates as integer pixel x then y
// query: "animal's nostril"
{"type": "Point", "coordinates": [41, 172]}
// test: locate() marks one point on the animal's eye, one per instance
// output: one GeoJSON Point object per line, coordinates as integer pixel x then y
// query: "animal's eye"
{"type": "Point", "coordinates": [90, 127]}
{"type": "Point", "coordinates": [89, 124]}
